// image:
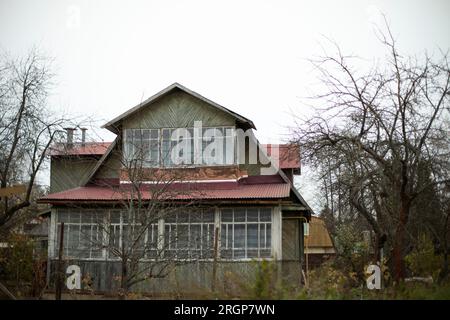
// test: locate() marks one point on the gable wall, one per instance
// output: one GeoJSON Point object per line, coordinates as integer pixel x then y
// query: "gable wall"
{"type": "Point", "coordinates": [177, 110]}
{"type": "Point", "coordinates": [67, 173]}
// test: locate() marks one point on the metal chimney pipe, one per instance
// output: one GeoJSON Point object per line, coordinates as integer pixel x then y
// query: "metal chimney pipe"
{"type": "Point", "coordinates": [83, 136]}
{"type": "Point", "coordinates": [69, 142]}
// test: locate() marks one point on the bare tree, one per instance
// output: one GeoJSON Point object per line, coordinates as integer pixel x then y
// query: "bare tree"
{"type": "Point", "coordinates": [27, 127]}
{"type": "Point", "coordinates": [378, 128]}
{"type": "Point", "coordinates": [149, 195]}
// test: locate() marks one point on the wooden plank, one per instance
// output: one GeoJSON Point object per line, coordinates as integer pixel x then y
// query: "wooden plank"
{"type": "Point", "coordinates": [11, 191]}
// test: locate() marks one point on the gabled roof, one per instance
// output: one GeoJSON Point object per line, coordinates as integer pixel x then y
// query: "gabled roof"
{"type": "Point", "coordinates": [318, 234]}
{"type": "Point", "coordinates": [288, 155]}
{"type": "Point", "coordinates": [113, 124]}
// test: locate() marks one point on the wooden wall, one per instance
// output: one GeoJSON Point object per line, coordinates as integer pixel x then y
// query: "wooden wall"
{"type": "Point", "coordinates": [178, 110]}
{"type": "Point", "coordinates": [67, 173]}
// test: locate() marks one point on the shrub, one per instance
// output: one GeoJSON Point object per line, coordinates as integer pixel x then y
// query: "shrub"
{"type": "Point", "coordinates": [422, 260]}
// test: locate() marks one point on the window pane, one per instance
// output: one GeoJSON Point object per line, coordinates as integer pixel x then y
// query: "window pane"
{"type": "Point", "coordinates": [183, 217]}
{"type": "Point", "coordinates": [170, 218]}
{"type": "Point", "coordinates": [252, 253]}
{"type": "Point", "coordinates": [154, 134]}
{"type": "Point", "coordinates": [252, 236]}
{"type": "Point", "coordinates": [114, 216]}
{"type": "Point", "coordinates": [262, 235]}
{"type": "Point", "coordinates": [252, 214]}
{"type": "Point", "coordinates": [63, 216]}
{"type": "Point", "coordinates": [86, 240]}
{"type": "Point", "coordinates": [196, 236]}
{"type": "Point", "coordinates": [73, 236]}
{"type": "Point", "coordinates": [266, 253]}
{"type": "Point", "coordinates": [239, 236]}
{"type": "Point", "coordinates": [239, 215]}
{"type": "Point", "coordinates": [208, 216]}
{"type": "Point", "coordinates": [74, 217]}
{"type": "Point", "coordinates": [145, 134]}
{"type": "Point", "coordinates": [114, 236]}
{"type": "Point", "coordinates": [265, 214]}
{"type": "Point", "coordinates": [223, 236]}
{"type": "Point", "coordinates": [239, 254]}
{"type": "Point", "coordinates": [227, 215]}
{"type": "Point", "coordinates": [183, 236]}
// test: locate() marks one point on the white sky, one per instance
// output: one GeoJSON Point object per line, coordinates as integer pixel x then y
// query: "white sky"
{"type": "Point", "coordinates": [249, 56]}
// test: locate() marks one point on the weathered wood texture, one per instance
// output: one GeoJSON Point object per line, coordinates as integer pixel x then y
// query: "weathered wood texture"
{"type": "Point", "coordinates": [178, 110]}
{"type": "Point", "coordinates": [290, 239]}
{"type": "Point", "coordinates": [318, 234]}
{"type": "Point", "coordinates": [187, 174]}
{"type": "Point", "coordinates": [69, 172]}
{"type": "Point", "coordinates": [188, 279]}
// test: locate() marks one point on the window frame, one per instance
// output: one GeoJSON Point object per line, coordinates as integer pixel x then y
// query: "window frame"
{"type": "Point", "coordinates": [169, 165]}
{"type": "Point", "coordinates": [209, 225]}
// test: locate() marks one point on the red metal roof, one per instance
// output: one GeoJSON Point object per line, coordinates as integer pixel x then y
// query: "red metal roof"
{"type": "Point", "coordinates": [288, 155]}
{"type": "Point", "coordinates": [182, 191]}
{"type": "Point", "coordinates": [89, 148]}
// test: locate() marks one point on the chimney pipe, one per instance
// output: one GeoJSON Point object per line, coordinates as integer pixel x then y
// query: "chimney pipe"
{"type": "Point", "coordinates": [69, 142]}
{"type": "Point", "coordinates": [83, 136]}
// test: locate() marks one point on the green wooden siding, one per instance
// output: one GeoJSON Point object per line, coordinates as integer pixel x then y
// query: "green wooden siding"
{"type": "Point", "coordinates": [67, 173]}
{"type": "Point", "coordinates": [178, 110]}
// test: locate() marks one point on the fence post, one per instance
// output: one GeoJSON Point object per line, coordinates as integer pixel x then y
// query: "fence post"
{"type": "Point", "coordinates": [59, 272]}
{"type": "Point", "coordinates": [214, 271]}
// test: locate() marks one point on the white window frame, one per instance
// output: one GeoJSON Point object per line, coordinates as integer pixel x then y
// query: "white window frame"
{"type": "Point", "coordinates": [159, 230]}
{"type": "Point", "coordinates": [231, 225]}
{"type": "Point", "coordinates": [128, 150]}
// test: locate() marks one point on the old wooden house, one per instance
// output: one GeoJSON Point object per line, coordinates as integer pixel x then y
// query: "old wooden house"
{"type": "Point", "coordinates": [238, 203]}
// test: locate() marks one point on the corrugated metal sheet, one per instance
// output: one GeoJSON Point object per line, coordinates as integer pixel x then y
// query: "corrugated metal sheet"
{"type": "Point", "coordinates": [288, 155]}
{"type": "Point", "coordinates": [89, 148]}
{"type": "Point", "coordinates": [189, 191]}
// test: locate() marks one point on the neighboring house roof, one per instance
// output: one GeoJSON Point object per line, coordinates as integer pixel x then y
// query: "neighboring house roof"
{"type": "Point", "coordinates": [113, 124]}
{"type": "Point", "coordinates": [243, 189]}
{"type": "Point", "coordinates": [288, 155]}
{"type": "Point", "coordinates": [318, 234]}
{"type": "Point", "coordinates": [88, 149]}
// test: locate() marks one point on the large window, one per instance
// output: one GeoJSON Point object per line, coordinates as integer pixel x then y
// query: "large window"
{"type": "Point", "coordinates": [82, 233]}
{"type": "Point", "coordinates": [128, 232]}
{"type": "Point", "coordinates": [246, 233]}
{"type": "Point", "coordinates": [189, 235]}
{"type": "Point", "coordinates": [169, 147]}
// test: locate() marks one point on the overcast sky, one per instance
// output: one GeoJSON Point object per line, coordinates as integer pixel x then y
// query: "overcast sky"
{"type": "Point", "coordinates": [250, 56]}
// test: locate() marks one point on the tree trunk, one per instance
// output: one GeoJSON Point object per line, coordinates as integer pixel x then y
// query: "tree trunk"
{"type": "Point", "coordinates": [398, 252]}
{"type": "Point", "coordinates": [380, 241]}
{"type": "Point", "coordinates": [124, 281]}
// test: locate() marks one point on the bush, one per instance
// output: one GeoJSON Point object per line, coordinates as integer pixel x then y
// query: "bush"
{"type": "Point", "coordinates": [17, 263]}
{"type": "Point", "coordinates": [422, 260]}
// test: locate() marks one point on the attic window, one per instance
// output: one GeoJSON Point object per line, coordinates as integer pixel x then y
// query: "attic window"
{"type": "Point", "coordinates": [171, 147]}
{"type": "Point", "coordinates": [142, 145]}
